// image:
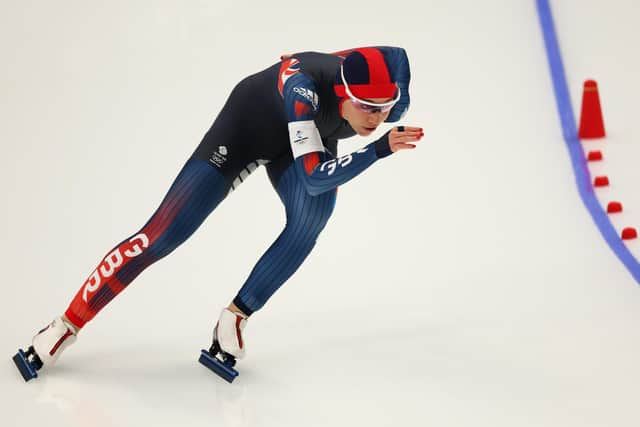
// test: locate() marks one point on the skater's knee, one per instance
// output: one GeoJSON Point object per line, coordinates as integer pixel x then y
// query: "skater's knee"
{"type": "Point", "coordinates": [311, 219]}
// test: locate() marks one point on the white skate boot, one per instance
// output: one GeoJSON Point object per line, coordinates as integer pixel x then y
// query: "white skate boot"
{"type": "Point", "coordinates": [46, 347]}
{"type": "Point", "coordinates": [228, 333]}
{"type": "Point", "coordinates": [50, 342]}
{"type": "Point", "coordinates": [228, 345]}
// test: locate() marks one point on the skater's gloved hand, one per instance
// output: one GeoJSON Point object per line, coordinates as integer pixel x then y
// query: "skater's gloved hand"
{"type": "Point", "coordinates": [400, 137]}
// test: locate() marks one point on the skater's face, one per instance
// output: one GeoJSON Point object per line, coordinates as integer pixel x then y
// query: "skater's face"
{"type": "Point", "coordinates": [364, 122]}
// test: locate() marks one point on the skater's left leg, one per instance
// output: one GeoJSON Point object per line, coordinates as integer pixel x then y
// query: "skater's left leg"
{"type": "Point", "coordinates": [306, 218]}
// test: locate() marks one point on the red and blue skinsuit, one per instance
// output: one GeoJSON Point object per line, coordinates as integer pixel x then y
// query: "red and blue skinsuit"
{"type": "Point", "coordinates": [287, 118]}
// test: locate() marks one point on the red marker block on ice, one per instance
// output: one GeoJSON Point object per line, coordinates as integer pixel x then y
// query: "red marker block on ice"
{"type": "Point", "coordinates": [614, 207]}
{"type": "Point", "coordinates": [601, 181]}
{"type": "Point", "coordinates": [595, 156]}
{"type": "Point", "coordinates": [629, 233]}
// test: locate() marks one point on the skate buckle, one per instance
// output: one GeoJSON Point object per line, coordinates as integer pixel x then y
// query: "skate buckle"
{"type": "Point", "coordinates": [27, 368]}
{"type": "Point", "coordinates": [223, 369]}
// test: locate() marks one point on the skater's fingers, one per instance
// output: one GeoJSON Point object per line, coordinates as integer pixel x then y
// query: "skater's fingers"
{"type": "Point", "coordinates": [407, 138]}
{"type": "Point", "coordinates": [409, 134]}
{"type": "Point", "coordinates": [402, 146]}
{"type": "Point", "coordinates": [401, 138]}
{"type": "Point", "coordinates": [407, 129]}
{"type": "Point", "coordinates": [402, 135]}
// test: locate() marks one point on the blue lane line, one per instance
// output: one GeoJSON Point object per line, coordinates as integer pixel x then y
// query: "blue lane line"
{"type": "Point", "coordinates": [583, 178]}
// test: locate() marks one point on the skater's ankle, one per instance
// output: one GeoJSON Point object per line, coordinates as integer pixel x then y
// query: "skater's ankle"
{"type": "Point", "coordinates": [70, 324]}
{"type": "Point", "coordinates": [232, 307]}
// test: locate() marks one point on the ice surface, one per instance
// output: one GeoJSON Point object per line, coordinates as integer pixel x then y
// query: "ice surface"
{"type": "Point", "coordinates": [460, 284]}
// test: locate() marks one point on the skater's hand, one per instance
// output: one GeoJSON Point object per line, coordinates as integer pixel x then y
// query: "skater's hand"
{"type": "Point", "coordinates": [400, 137]}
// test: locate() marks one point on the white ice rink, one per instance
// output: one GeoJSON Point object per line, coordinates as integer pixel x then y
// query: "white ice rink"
{"type": "Point", "coordinates": [460, 284]}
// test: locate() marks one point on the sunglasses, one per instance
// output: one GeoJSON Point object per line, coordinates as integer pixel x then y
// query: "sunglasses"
{"type": "Point", "coordinates": [367, 106]}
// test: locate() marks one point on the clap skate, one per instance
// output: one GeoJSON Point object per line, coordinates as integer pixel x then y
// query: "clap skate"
{"type": "Point", "coordinates": [46, 347]}
{"type": "Point", "coordinates": [28, 363]}
{"type": "Point", "coordinates": [227, 345]}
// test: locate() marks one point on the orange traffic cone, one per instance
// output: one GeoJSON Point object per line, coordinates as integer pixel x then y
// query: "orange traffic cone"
{"type": "Point", "coordinates": [591, 123]}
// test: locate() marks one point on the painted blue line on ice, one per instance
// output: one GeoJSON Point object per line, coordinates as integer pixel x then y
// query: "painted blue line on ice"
{"type": "Point", "coordinates": [583, 178]}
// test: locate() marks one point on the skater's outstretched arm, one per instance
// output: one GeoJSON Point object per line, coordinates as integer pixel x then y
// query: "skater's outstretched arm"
{"type": "Point", "coordinates": [314, 169]}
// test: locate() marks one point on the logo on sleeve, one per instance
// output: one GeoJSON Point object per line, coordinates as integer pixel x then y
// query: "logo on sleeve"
{"type": "Point", "coordinates": [309, 95]}
{"type": "Point", "coordinates": [300, 138]}
{"type": "Point", "coordinates": [287, 69]}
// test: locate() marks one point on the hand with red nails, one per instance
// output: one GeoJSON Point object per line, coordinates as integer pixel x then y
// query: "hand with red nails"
{"type": "Point", "coordinates": [400, 137]}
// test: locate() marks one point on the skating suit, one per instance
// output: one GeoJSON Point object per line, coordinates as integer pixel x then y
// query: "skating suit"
{"type": "Point", "coordinates": [287, 118]}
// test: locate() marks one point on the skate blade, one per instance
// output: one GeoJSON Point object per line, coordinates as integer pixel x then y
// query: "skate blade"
{"type": "Point", "coordinates": [26, 369]}
{"type": "Point", "coordinates": [212, 362]}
